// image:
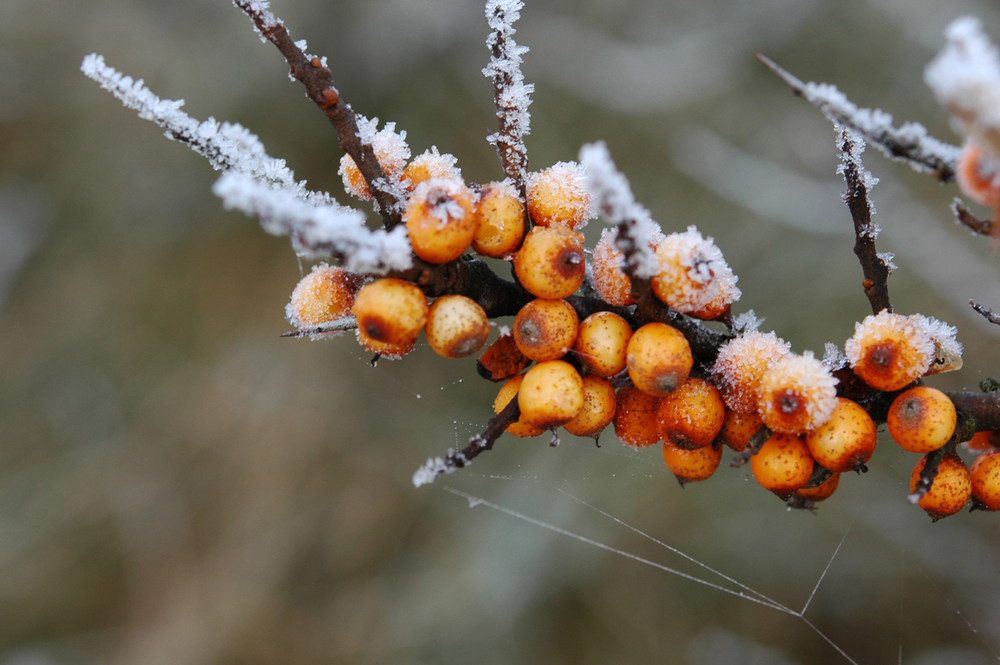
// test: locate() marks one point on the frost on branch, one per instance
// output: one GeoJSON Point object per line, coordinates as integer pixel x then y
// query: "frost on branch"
{"type": "Point", "coordinates": [317, 231]}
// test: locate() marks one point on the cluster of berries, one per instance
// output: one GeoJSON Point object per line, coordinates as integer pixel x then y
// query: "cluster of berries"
{"type": "Point", "coordinates": [780, 410]}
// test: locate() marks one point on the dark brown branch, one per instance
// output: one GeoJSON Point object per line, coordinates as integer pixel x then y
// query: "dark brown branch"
{"type": "Point", "coordinates": [988, 314]}
{"type": "Point", "coordinates": [967, 219]}
{"type": "Point", "coordinates": [982, 408]}
{"type": "Point", "coordinates": [318, 81]}
{"type": "Point", "coordinates": [873, 267]}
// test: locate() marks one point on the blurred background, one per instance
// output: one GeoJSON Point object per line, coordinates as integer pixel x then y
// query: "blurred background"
{"type": "Point", "coordinates": [180, 485]}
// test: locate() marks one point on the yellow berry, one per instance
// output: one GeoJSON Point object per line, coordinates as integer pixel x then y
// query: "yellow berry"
{"type": "Point", "coordinates": [889, 351]}
{"type": "Point", "coordinates": [439, 220]}
{"type": "Point", "coordinates": [558, 195]}
{"type": "Point", "coordinates": [509, 391]}
{"type": "Point", "coordinates": [635, 417]}
{"type": "Point", "coordinates": [782, 464]}
{"type": "Point", "coordinates": [797, 394]}
{"type": "Point", "coordinates": [325, 294]}
{"type": "Point", "coordinates": [846, 441]}
{"type": "Point", "coordinates": [978, 175]}
{"type": "Point", "coordinates": [428, 165]}
{"type": "Point", "coordinates": [550, 263]}
{"type": "Point", "coordinates": [545, 329]}
{"type": "Point", "coordinates": [601, 341]}
{"type": "Point", "coordinates": [391, 152]}
{"type": "Point", "coordinates": [922, 419]}
{"type": "Point", "coordinates": [693, 277]}
{"type": "Point", "coordinates": [950, 490]}
{"type": "Point", "coordinates": [821, 492]}
{"type": "Point", "coordinates": [691, 464]}
{"type": "Point", "coordinates": [390, 313]}
{"type": "Point", "coordinates": [500, 218]}
{"type": "Point", "coordinates": [738, 428]}
{"type": "Point", "coordinates": [551, 394]}
{"type": "Point", "coordinates": [598, 410]}
{"type": "Point", "coordinates": [456, 326]}
{"type": "Point", "coordinates": [658, 358]}
{"type": "Point", "coordinates": [985, 476]}
{"type": "Point", "coordinates": [741, 363]}
{"type": "Point", "coordinates": [691, 416]}
{"type": "Point", "coordinates": [613, 286]}
{"type": "Point", "coordinates": [502, 359]}
{"type": "Point", "coordinates": [983, 442]}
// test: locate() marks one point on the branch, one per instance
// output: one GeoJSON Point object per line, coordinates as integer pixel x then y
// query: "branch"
{"type": "Point", "coordinates": [874, 266]}
{"type": "Point", "coordinates": [909, 143]}
{"type": "Point", "coordinates": [987, 314]}
{"type": "Point", "coordinates": [313, 73]}
{"type": "Point", "coordinates": [967, 219]}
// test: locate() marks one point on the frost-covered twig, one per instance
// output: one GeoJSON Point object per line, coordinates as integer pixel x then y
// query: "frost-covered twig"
{"type": "Point", "coordinates": [909, 143]}
{"type": "Point", "coordinates": [987, 314]}
{"type": "Point", "coordinates": [964, 217]}
{"type": "Point", "coordinates": [965, 77]}
{"type": "Point", "coordinates": [226, 146]}
{"type": "Point", "coordinates": [318, 231]}
{"type": "Point", "coordinates": [314, 74]}
{"type": "Point", "coordinates": [459, 459]}
{"type": "Point", "coordinates": [511, 94]}
{"type": "Point", "coordinates": [321, 330]}
{"type": "Point", "coordinates": [874, 266]}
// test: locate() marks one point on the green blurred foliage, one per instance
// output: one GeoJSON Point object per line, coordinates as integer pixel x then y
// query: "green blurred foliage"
{"type": "Point", "coordinates": [180, 485]}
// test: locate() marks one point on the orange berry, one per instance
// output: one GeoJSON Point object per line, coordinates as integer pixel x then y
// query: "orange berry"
{"type": "Point", "coordinates": [922, 419]}
{"type": "Point", "coordinates": [978, 175]}
{"type": "Point", "coordinates": [508, 391]}
{"type": "Point", "coordinates": [950, 490]}
{"type": "Point", "coordinates": [391, 152]}
{"type": "Point", "coordinates": [500, 217]}
{"type": "Point", "coordinates": [983, 442]}
{"type": "Point", "coordinates": [439, 220]}
{"type": "Point", "coordinates": [782, 464]}
{"type": "Point", "coordinates": [738, 428]}
{"type": "Point", "coordinates": [691, 416]}
{"type": "Point", "coordinates": [823, 491]}
{"type": "Point", "coordinates": [797, 394]}
{"type": "Point", "coordinates": [325, 294]}
{"type": "Point", "coordinates": [559, 195]}
{"type": "Point", "coordinates": [613, 286]}
{"type": "Point", "coordinates": [545, 329]}
{"type": "Point", "coordinates": [741, 363]}
{"type": "Point", "coordinates": [428, 165]}
{"type": "Point", "coordinates": [456, 326]}
{"type": "Point", "coordinates": [550, 263]}
{"type": "Point", "coordinates": [889, 351]}
{"type": "Point", "coordinates": [658, 358]}
{"type": "Point", "coordinates": [691, 464]}
{"type": "Point", "coordinates": [502, 359]}
{"type": "Point", "coordinates": [693, 277]}
{"type": "Point", "coordinates": [601, 341]}
{"type": "Point", "coordinates": [846, 441]}
{"type": "Point", "coordinates": [598, 410]}
{"type": "Point", "coordinates": [551, 394]}
{"type": "Point", "coordinates": [635, 417]}
{"type": "Point", "coordinates": [391, 313]}
{"type": "Point", "coordinates": [985, 476]}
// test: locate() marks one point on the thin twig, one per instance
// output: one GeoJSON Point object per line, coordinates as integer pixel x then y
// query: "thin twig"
{"type": "Point", "coordinates": [988, 314]}
{"type": "Point", "coordinates": [964, 217]}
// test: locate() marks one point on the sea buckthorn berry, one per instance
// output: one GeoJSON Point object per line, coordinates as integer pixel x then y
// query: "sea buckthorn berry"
{"type": "Point", "coordinates": [658, 358]}
{"type": "Point", "coordinates": [947, 349]}
{"type": "Point", "coordinates": [613, 286]}
{"type": "Point", "coordinates": [983, 442]}
{"type": "Point", "coordinates": [391, 313]}
{"type": "Point", "coordinates": [949, 492]}
{"type": "Point", "coordinates": [601, 341]}
{"type": "Point", "coordinates": [694, 277]}
{"type": "Point", "coordinates": [508, 391]}
{"type": "Point", "coordinates": [978, 175]}
{"type": "Point", "coordinates": [691, 416]}
{"type": "Point", "coordinates": [545, 329]}
{"type": "Point", "coordinates": [797, 394]}
{"type": "Point", "coordinates": [691, 465]}
{"type": "Point", "coordinates": [783, 464]}
{"type": "Point", "coordinates": [889, 351]}
{"type": "Point", "coordinates": [599, 403]}
{"type": "Point", "coordinates": [500, 216]}
{"type": "Point", "coordinates": [823, 491]}
{"type": "Point", "coordinates": [456, 326]}
{"type": "Point", "coordinates": [502, 359]}
{"type": "Point", "coordinates": [559, 195]}
{"type": "Point", "coordinates": [551, 394]}
{"type": "Point", "coordinates": [635, 417]}
{"type": "Point", "coordinates": [922, 419]}
{"type": "Point", "coordinates": [391, 152]}
{"type": "Point", "coordinates": [741, 363]}
{"type": "Point", "coordinates": [846, 441]}
{"type": "Point", "coordinates": [428, 165]}
{"type": "Point", "coordinates": [439, 220]}
{"type": "Point", "coordinates": [738, 428]}
{"type": "Point", "coordinates": [550, 263]}
{"type": "Point", "coordinates": [985, 476]}
{"type": "Point", "coordinates": [325, 294]}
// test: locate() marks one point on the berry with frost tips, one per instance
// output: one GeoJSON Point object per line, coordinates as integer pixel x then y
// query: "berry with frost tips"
{"type": "Point", "coordinates": [559, 195]}
{"type": "Point", "coordinates": [613, 286]}
{"type": "Point", "coordinates": [797, 394]}
{"type": "Point", "coordinates": [740, 364]}
{"type": "Point", "coordinates": [978, 175]}
{"type": "Point", "coordinates": [439, 220]}
{"type": "Point", "coordinates": [889, 351]}
{"type": "Point", "coordinates": [325, 294]}
{"type": "Point", "coordinates": [693, 276]}
{"type": "Point", "coordinates": [429, 165]}
{"type": "Point", "coordinates": [390, 149]}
